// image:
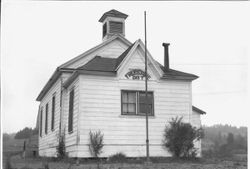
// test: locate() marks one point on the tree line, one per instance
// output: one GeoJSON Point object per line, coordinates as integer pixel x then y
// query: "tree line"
{"type": "Point", "coordinates": [224, 140]}
{"type": "Point", "coordinates": [21, 134]}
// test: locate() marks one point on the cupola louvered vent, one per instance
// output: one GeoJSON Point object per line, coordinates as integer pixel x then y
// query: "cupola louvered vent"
{"type": "Point", "coordinates": [116, 27]}
{"type": "Point", "coordinates": [113, 24]}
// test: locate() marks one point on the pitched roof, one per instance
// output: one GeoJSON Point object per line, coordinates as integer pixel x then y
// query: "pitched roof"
{"type": "Point", "coordinates": [176, 75]}
{"type": "Point", "coordinates": [55, 76]}
{"type": "Point", "coordinates": [116, 36]}
{"type": "Point", "coordinates": [198, 110]}
{"type": "Point", "coordinates": [99, 63]}
{"type": "Point", "coordinates": [113, 13]}
{"type": "Point", "coordinates": [63, 67]}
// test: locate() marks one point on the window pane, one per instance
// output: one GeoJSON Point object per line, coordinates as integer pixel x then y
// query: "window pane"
{"type": "Point", "coordinates": [41, 122]}
{"type": "Point", "coordinates": [71, 109]}
{"type": "Point", "coordinates": [142, 98]}
{"type": "Point", "coordinates": [53, 113]}
{"type": "Point", "coordinates": [131, 108]}
{"type": "Point", "coordinates": [46, 118]}
{"type": "Point", "coordinates": [143, 108]}
{"type": "Point", "coordinates": [124, 108]}
{"type": "Point", "coordinates": [124, 97]}
{"type": "Point", "coordinates": [131, 97]}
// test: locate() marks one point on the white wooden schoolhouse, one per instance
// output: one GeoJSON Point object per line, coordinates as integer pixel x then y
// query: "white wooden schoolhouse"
{"type": "Point", "coordinates": [103, 89]}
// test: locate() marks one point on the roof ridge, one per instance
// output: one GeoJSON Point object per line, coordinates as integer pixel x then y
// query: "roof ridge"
{"type": "Point", "coordinates": [113, 13]}
{"type": "Point", "coordinates": [120, 58]}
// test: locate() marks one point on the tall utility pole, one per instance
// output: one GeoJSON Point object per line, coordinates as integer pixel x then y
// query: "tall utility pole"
{"type": "Point", "coordinates": [146, 87]}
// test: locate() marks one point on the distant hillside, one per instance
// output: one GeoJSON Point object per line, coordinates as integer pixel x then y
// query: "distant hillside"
{"type": "Point", "coordinates": [224, 140]}
{"type": "Point", "coordinates": [13, 145]}
{"type": "Point", "coordinates": [212, 132]}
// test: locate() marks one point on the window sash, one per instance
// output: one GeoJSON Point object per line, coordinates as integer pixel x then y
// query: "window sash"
{"type": "Point", "coordinates": [53, 113]}
{"type": "Point", "coordinates": [41, 122]}
{"type": "Point", "coordinates": [46, 118]}
{"type": "Point", "coordinates": [143, 103]}
{"type": "Point", "coordinates": [71, 109]}
{"type": "Point", "coordinates": [128, 103]}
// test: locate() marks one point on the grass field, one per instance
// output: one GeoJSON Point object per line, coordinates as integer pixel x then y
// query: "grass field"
{"type": "Point", "coordinates": [157, 163]}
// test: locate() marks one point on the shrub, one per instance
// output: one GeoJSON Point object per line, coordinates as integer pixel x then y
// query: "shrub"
{"type": "Point", "coordinates": [179, 138]}
{"type": "Point", "coordinates": [207, 153]}
{"type": "Point", "coordinates": [8, 163]}
{"type": "Point", "coordinates": [60, 149]}
{"type": "Point", "coordinates": [118, 157]}
{"type": "Point", "coordinates": [46, 166]}
{"type": "Point", "coordinates": [225, 150]}
{"type": "Point", "coordinates": [95, 143]}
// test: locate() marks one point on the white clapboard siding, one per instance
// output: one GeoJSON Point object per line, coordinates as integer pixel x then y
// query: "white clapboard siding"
{"type": "Point", "coordinates": [71, 138]}
{"type": "Point", "coordinates": [196, 119]}
{"type": "Point", "coordinates": [49, 141]}
{"type": "Point", "coordinates": [100, 107]}
{"type": "Point", "coordinates": [196, 122]}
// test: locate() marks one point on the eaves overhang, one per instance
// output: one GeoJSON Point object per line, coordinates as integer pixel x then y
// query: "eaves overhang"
{"type": "Point", "coordinates": [55, 76]}
{"type": "Point", "coordinates": [183, 78]}
{"type": "Point", "coordinates": [198, 110]}
{"type": "Point", "coordinates": [87, 72]}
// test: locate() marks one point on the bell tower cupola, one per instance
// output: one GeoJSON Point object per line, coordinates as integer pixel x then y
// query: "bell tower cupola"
{"type": "Point", "coordinates": [113, 22]}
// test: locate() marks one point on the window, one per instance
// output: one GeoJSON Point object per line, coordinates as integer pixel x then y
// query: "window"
{"type": "Point", "coordinates": [41, 122]}
{"type": "Point", "coordinates": [134, 103]}
{"type": "Point", "coordinates": [71, 109]}
{"type": "Point", "coordinates": [46, 118]}
{"type": "Point", "coordinates": [53, 113]}
{"type": "Point", "coordinates": [104, 29]}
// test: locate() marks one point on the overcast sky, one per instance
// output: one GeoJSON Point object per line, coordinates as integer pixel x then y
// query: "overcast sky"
{"type": "Point", "coordinates": [209, 39]}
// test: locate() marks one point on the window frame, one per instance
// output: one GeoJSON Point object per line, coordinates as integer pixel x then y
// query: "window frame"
{"type": "Point", "coordinates": [137, 113]}
{"type": "Point", "coordinates": [129, 103]}
{"type": "Point", "coordinates": [41, 122]}
{"type": "Point", "coordinates": [46, 118]}
{"type": "Point", "coordinates": [53, 109]}
{"type": "Point", "coordinates": [71, 111]}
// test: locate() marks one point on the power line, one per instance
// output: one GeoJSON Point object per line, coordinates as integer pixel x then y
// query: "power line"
{"type": "Point", "coordinates": [218, 93]}
{"type": "Point", "coordinates": [210, 64]}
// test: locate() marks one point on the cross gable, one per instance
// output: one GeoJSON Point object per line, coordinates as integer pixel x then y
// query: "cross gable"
{"type": "Point", "coordinates": [133, 65]}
